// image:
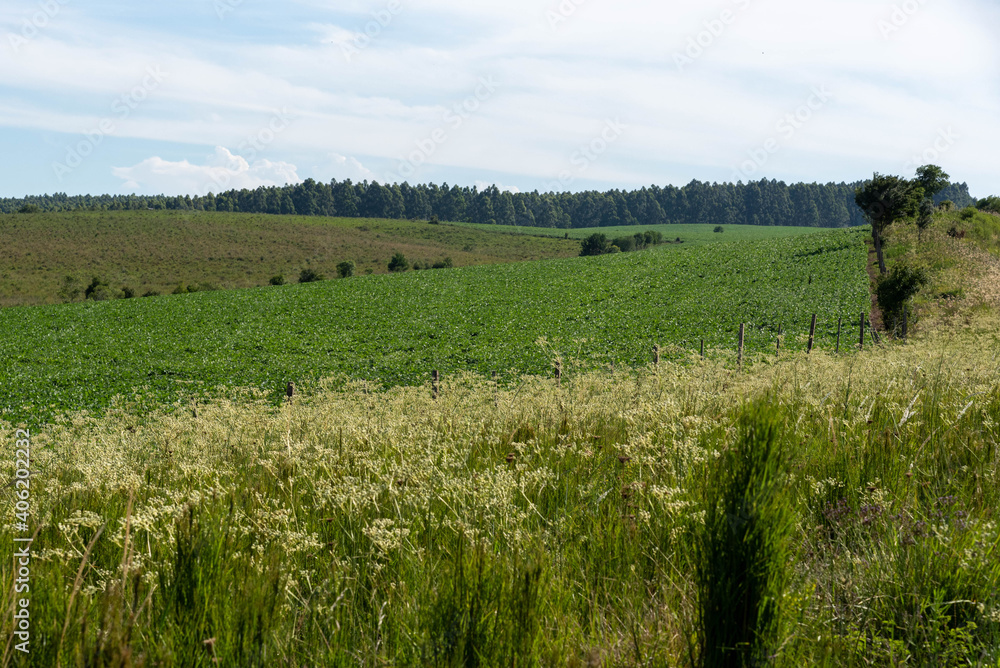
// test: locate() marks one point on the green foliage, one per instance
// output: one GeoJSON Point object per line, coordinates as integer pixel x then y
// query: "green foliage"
{"type": "Point", "coordinates": [29, 208]}
{"type": "Point", "coordinates": [345, 269]}
{"type": "Point", "coordinates": [398, 263]}
{"type": "Point", "coordinates": [884, 200]}
{"type": "Point", "coordinates": [443, 264]}
{"type": "Point", "coordinates": [719, 229]}
{"type": "Point", "coordinates": [946, 205]}
{"type": "Point", "coordinates": [968, 213]}
{"type": "Point", "coordinates": [277, 280]}
{"type": "Point", "coordinates": [895, 290]}
{"type": "Point", "coordinates": [69, 290]}
{"type": "Point", "coordinates": [990, 204]}
{"type": "Point", "coordinates": [485, 318]}
{"type": "Point", "coordinates": [743, 547]}
{"type": "Point", "coordinates": [98, 290]}
{"type": "Point", "coordinates": [932, 179]}
{"type": "Point", "coordinates": [595, 244]}
{"type": "Point", "coordinates": [926, 216]}
{"type": "Point", "coordinates": [309, 275]}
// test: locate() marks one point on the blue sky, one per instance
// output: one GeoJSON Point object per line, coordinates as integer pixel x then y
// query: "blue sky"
{"type": "Point", "coordinates": [197, 95]}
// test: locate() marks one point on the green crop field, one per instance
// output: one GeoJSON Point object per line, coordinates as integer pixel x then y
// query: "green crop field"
{"type": "Point", "coordinates": [394, 329]}
{"type": "Point", "coordinates": [696, 235]}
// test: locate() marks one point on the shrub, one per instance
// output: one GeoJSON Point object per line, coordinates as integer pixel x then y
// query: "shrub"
{"type": "Point", "coordinates": [127, 292]}
{"type": "Point", "coordinates": [895, 290]}
{"type": "Point", "coordinates": [29, 208]}
{"type": "Point", "coordinates": [433, 220]}
{"type": "Point", "coordinates": [743, 548]}
{"type": "Point", "coordinates": [277, 280]}
{"type": "Point", "coordinates": [991, 204]}
{"type": "Point", "coordinates": [309, 276]}
{"type": "Point", "coordinates": [98, 290]}
{"type": "Point", "coordinates": [151, 293]}
{"type": "Point", "coordinates": [345, 269]}
{"type": "Point", "coordinates": [443, 264]}
{"type": "Point", "coordinates": [947, 205]}
{"type": "Point", "coordinates": [719, 229]}
{"type": "Point", "coordinates": [398, 263]}
{"type": "Point", "coordinates": [625, 244]}
{"type": "Point", "coordinates": [968, 213]}
{"type": "Point", "coordinates": [69, 290]}
{"type": "Point", "coordinates": [595, 244]}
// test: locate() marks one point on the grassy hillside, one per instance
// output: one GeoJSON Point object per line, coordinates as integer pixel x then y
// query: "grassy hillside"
{"type": "Point", "coordinates": [510, 318]}
{"type": "Point", "coordinates": [159, 250]}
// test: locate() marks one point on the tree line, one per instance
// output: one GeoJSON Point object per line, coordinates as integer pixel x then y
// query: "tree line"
{"type": "Point", "coordinates": [756, 203]}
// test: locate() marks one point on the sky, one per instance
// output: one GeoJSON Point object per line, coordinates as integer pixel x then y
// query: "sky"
{"type": "Point", "coordinates": [194, 96]}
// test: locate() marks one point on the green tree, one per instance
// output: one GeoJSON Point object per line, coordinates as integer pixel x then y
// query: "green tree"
{"type": "Point", "coordinates": [924, 219]}
{"type": "Point", "coordinates": [345, 269]}
{"type": "Point", "coordinates": [932, 179]}
{"type": "Point", "coordinates": [310, 276]}
{"type": "Point", "coordinates": [884, 200]}
{"type": "Point", "coordinates": [399, 263]}
{"type": "Point", "coordinates": [595, 244]}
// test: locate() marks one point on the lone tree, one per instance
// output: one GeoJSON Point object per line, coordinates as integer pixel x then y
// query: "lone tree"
{"type": "Point", "coordinates": [932, 179]}
{"type": "Point", "coordinates": [884, 200]}
{"type": "Point", "coordinates": [399, 263]}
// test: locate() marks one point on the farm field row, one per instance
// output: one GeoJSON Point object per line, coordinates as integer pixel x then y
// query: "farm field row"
{"type": "Point", "coordinates": [508, 318]}
{"type": "Point", "coordinates": [696, 235]}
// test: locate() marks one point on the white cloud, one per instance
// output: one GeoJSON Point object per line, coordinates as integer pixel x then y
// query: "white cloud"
{"type": "Point", "coordinates": [483, 185]}
{"type": "Point", "coordinates": [342, 167]}
{"type": "Point", "coordinates": [222, 171]}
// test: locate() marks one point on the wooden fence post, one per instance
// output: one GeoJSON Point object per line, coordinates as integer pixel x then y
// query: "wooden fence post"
{"type": "Point", "coordinates": [703, 348]}
{"type": "Point", "coordinates": [861, 337]}
{"type": "Point", "coordinates": [656, 355]}
{"type": "Point", "coordinates": [906, 317]}
{"type": "Point", "coordinates": [840, 326]}
{"type": "Point", "coordinates": [777, 348]}
{"type": "Point", "coordinates": [436, 383]}
{"type": "Point", "coordinates": [558, 372]}
{"type": "Point", "coordinates": [739, 352]}
{"type": "Point", "coordinates": [496, 391]}
{"type": "Point", "coordinates": [290, 391]}
{"type": "Point", "coordinates": [812, 335]}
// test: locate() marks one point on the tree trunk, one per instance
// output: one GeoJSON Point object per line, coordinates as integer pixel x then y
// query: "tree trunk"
{"type": "Point", "coordinates": [877, 239]}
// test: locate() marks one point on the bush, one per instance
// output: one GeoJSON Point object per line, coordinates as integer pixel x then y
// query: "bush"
{"type": "Point", "coordinates": [625, 244]}
{"type": "Point", "coordinates": [946, 205]}
{"type": "Point", "coordinates": [309, 276]}
{"type": "Point", "coordinates": [127, 292]}
{"type": "Point", "coordinates": [98, 290]}
{"type": "Point", "coordinates": [968, 213]}
{"type": "Point", "coordinates": [595, 244]}
{"type": "Point", "coordinates": [345, 269]}
{"type": "Point", "coordinates": [398, 263]}
{"type": "Point", "coordinates": [991, 204]}
{"type": "Point", "coordinates": [277, 280]}
{"type": "Point", "coordinates": [29, 208]}
{"type": "Point", "coordinates": [69, 290]}
{"type": "Point", "coordinates": [895, 290]}
{"type": "Point", "coordinates": [433, 220]}
{"type": "Point", "coordinates": [443, 264]}
{"type": "Point", "coordinates": [719, 229]}
{"type": "Point", "coordinates": [151, 293]}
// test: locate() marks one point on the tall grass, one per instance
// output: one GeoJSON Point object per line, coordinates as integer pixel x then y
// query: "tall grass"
{"type": "Point", "coordinates": [591, 523]}
{"type": "Point", "coordinates": [742, 550]}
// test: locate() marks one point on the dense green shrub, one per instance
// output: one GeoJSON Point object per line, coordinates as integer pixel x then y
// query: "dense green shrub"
{"type": "Point", "coordinates": [399, 263]}
{"type": "Point", "coordinates": [991, 204]}
{"type": "Point", "coordinates": [309, 275]}
{"type": "Point", "coordinates": [443, 264]}
{"type": "Point", "coordinates": [595, 244]}
{"type": "Point", "coordinates": [894, 291]}
{"type": "Point", "coordinates": [277, 280]}
{"type": "Point", "coordinates": [719, 229]}
{"type": "Point", "coordinates": [345, 269]}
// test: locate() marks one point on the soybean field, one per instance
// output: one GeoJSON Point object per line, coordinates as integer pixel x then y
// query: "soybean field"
{"type": "Point", "coordinates": [393, 329]}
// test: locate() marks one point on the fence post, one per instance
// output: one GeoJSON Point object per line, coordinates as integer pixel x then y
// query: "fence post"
{"type": "Point", "coordinates": [812, 335]}
{"type": "Point", "coordinates": [558, 372]}
{"type": "Point", "coordinates": [861, 337]}
{"type": "Point", "coordinates": [290, 391]}
{"type": "Point", "coordinates": [703, 348]}
{"type": "Point", "coordinates": [435, 383]}
{"type": "Point", "coordinates": [496, 391]}
{"type": "Point", "coordinates": [739, 353]}
{"type": "Point", "coordinates": [906, 317]}
{"type": "Point", "coordinates": [840, 326]}
{"type": "Point", "coordinates": [656, 355]}
{"type": "Point", "coordinates": [777, 348]}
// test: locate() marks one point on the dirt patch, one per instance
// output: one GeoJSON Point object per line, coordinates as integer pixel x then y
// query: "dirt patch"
{"type": "Point", "coordinates": [875, 313]}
